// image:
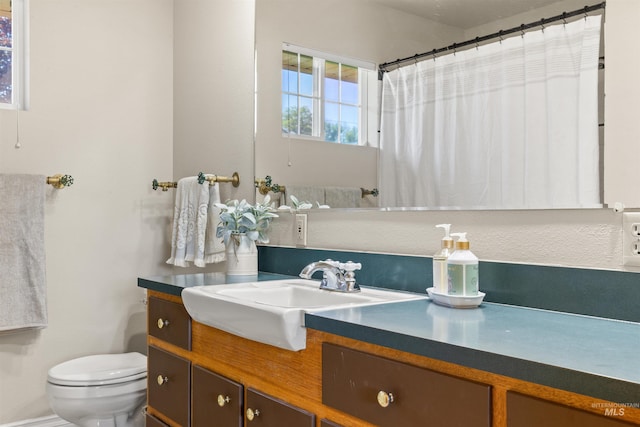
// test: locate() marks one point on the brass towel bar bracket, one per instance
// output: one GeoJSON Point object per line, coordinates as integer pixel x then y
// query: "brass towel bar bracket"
{"type": "Point", "coordinates": [60, 181]}
{"type": "Point", "coordinates": [366, 192]}
{"type": "Point", "coordinates": [265, 185]}
{"type": "Point", "coordinates": [165, 185]}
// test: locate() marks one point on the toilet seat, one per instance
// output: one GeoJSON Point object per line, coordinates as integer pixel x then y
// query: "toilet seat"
{"type": "Point", "coordinates": [101, 369]}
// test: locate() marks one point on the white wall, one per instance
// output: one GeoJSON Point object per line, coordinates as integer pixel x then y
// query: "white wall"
{"type": "Point", "coordinates": [101, 111]}
{"type": "Point", "coordinates": [570, 238]}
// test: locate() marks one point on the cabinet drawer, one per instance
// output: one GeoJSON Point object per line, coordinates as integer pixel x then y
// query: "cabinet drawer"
{"type": "Point", "coordinates": [170, 322]}
{"type": "Point", "coordinates": [168, 385]}
{"type": "Point", "coordinates": [390, 393]}
{"type": "Point", "coordinates": [151, 421]}
{"type": "Point", "coordinates": [214, 397]}
{"type": "Point", "coordinates": [527, 411]}
{"type": "Point", "coordinates": [267, 411]}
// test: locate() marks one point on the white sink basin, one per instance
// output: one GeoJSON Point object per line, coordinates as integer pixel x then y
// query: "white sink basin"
{"type": "Point", "coordinates": [272, 312]}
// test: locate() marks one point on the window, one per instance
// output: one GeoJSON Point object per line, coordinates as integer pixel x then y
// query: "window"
{"type": "Point", "coordinates": [326, 97]}
{"type": "Point", "coordinates": [12, 67]}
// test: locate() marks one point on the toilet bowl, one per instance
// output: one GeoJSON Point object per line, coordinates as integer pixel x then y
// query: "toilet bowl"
{"type": "Point", "coordinates": [105, 390]}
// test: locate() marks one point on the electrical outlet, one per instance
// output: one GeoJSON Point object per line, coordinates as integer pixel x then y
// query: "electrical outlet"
{"type": "Point", "coordinates": [631, 239]}
{"type": "Point", "coordinates": [301, 229]}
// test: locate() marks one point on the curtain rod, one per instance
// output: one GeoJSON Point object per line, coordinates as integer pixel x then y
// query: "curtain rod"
{"type": "Point", "coordinates": [382, 68]}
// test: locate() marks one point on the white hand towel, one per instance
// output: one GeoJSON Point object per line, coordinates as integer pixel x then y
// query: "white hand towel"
{"type": "Point", "coordinates": [214, 246]}
{"type": "Point", "coordinates": [23, 297]}
{"type": "Point", "coordinates": [189, 223]}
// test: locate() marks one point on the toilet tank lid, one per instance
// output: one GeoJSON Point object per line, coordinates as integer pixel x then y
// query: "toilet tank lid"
{"type": "Point", "coordinates": [99, 369]}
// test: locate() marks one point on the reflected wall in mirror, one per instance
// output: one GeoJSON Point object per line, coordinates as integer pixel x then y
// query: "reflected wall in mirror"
{"type": "Point", "coordinates": [376, 31]}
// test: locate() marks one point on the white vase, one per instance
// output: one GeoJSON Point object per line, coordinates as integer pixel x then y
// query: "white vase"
{"type": "Point", "coordinates": [242, 256]}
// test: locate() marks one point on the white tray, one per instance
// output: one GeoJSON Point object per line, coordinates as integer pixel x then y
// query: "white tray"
{"type": "Point", "coordinates": [455, 301]}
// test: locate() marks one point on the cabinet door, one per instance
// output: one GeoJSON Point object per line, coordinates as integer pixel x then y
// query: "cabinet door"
{"type": "Point", "coordinates": [215, 400]}
{"type": "Point", "coordinates": [170, 322]}
{"type": "Point", "coordinates": [168, 385]}
{"type": "Point", "coordinates": [390, 393]}
{"type": "Point", "coordinates": [266, 411]}
{"type": "Point", "coordinates": [527, 411]}
{"type": "Point", "coordinates": [327, 423]}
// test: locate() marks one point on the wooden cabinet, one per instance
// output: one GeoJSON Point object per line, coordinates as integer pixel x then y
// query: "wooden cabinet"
{"type": "Point", "coordinates": [170, 322]}
{"type": "Point", "coordinates": [390, 393]}
{"type": "Point", "coordinates": [266, 411]}
{"type": "Point", "coordinates": [168, 374]}
{"type": "Point", "coordinates": [168, 384]}
{"type": "Point", "coordinates": [201, 376]}
{"type": "Point", "coordinates": [214, 397]}
{"type": "Point", "coordinates": [527, 411]}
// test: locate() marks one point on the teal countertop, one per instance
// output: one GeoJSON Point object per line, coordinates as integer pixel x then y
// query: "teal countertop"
{"type": "Point", "coordinates": [588, 355]}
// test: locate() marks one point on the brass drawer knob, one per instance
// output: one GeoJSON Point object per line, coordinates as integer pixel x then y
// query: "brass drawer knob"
{"type": "Point", "coordinates": [223, 400]}
{"type": "Point", "coordinates": [385, 399]}
{"type": "Point", "coordinates": [162, 323]}
{"type": "Point", "coordinates": [162, 379]}
{"type": "Point", "coordinates": [251, 414]}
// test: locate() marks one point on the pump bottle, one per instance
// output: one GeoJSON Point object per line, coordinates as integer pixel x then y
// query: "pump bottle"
{"type": "Point", "coordinates": [440, 282]}
{"type": "Point", "coordinates": [462, 269]}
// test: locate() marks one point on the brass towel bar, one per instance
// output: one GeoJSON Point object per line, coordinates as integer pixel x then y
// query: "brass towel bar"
{"type": "Point", "coordinates": [265, 185]}
{"type": "Point", "coordinates": [165, 185]}
{"type": "Point", "coordinates": [60, 181]}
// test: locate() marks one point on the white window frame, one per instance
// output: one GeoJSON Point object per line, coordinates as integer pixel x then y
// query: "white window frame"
{"type": "Point", "coordinates": [367, 76]}
{"type": "Point", "coordinates": [19, 66]}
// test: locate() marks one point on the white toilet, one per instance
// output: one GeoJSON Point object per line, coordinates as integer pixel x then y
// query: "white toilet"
{"type": "Point", "coordinates": [105, 390]}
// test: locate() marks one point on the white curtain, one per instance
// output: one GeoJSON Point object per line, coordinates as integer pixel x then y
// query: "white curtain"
{"type": "Point", "coordinates": [511, 124]}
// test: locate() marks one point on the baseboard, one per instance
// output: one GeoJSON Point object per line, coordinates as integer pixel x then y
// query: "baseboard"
{"type": "Point", "coordinates": [49, 421]}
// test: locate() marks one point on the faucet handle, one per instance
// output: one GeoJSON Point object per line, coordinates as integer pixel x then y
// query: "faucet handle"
{"type": "Point", "coordinates": [350, 266]}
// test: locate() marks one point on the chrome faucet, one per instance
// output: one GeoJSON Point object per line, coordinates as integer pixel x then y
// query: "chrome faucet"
{"type": "Point", "coordinates": [336, 276]}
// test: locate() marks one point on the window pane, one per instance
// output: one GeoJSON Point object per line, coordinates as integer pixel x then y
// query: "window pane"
{"type": "Point", "coordinates": [5, 29]}
{"type": "Point", "coordinates": [289, 81]}
{"type": "Point", "coordinates": [5, 77]}
{"type": "Point", "coordinates": [289, 72]}
{"type": "Point", "coordinates": [349, 84]}
{"type": "Point", "coordinates": [331, 119]}
{"type": "Point", "coordinates": [306, 84]}
{"type": "Point", "coordinates": [348, 124]}
{"type": "Point", "coordinates": [331, 81]}
{"type": "Point", "coordinates": [306, 116]}
{"type": "Point", "coordinates": [289, 114]}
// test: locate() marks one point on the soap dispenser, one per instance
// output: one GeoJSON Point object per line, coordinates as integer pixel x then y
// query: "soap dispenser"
{"type": "Point", "coordinates": [440, 282]}
{"type": "Point", "coordinates": [462, 269]}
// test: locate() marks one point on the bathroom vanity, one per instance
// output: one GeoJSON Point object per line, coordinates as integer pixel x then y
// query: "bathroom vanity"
{"type": "Point", "coordinates": [356, 372]}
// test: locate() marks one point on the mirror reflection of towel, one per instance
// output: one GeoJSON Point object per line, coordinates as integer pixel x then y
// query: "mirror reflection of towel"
{"type": "Point", "coordinates": [305, 194]}
{"type": "Point", "coordinates": [23, 302]}
{"type": "Point", "coordinates": [343, 197]}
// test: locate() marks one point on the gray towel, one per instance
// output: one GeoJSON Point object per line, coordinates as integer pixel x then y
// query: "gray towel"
{"type": "Point", "coordinates": [343, 197]}
{"type": "Point", "coordinates": [23, 302]}
{"type": "Point", "coordinates": [305, 194]}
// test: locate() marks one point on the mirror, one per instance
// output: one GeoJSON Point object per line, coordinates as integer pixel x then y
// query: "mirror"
{"type": "Point", "coordinates": [376, 31]}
